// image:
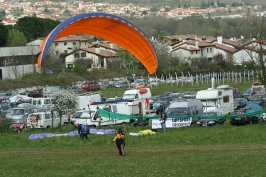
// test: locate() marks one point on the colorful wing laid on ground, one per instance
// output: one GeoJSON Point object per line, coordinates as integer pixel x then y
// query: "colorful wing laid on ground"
{"type": "Point", "coordinates": [109, 27]}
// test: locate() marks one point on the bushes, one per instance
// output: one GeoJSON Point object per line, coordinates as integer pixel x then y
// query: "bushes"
{"type": "Point", "coordinates": [4, 124]}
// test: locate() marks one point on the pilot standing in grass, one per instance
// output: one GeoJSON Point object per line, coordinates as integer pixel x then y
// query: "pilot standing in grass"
{"type": "Point", "coordinates": [163, 121]}
{"type": "Point", "coordinates": [83, 131]}
{"type": "Point", "coordinates": [120, 141]}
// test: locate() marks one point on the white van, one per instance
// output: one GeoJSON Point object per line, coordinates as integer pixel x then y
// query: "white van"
{"type": "Point", "coordinates": [190, 107]}
{"type": "Point", "coordinates": [48, 91]}
{"type": "Point", "coordinates": [42, 102]}
{"type": "Point", "coordinates": [44, 120]}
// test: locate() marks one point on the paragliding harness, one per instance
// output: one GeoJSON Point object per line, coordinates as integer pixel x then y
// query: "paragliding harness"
{"type": "Point", "coordinates": [120, 142]}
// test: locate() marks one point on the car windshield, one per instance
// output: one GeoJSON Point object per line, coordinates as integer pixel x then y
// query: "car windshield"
{"type": "Point", "coordinates": [177, 111]}
{"type": "Point", "coordinates": [77, 114]}
{"type": "Point", "coordinates": [18, 121]}
{"type": "Point", "coordinates": [209, 103]}
{"type": "Point", "coordinates": [87, 114]}
{"type": "Point", "coordinates": [17, 111]}
{"type": "Point", "coordinates": [255, 97]}
{"type": "Point", "coordinates": [211, 113]}
{"type": "Point", "coordinates": [128, 96]}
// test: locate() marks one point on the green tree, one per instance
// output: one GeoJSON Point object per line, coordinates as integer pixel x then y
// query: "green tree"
{"type": "Point", "coordinates": [16, 38]}
{"type": "Point", "coordinates": [3, 35]}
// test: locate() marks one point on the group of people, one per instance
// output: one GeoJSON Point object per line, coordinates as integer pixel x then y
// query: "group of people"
{"type": "Point", "coordinates": [119, 139]}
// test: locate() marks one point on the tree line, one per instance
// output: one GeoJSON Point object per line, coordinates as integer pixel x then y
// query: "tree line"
{"type": "Point", "coordinates": [33, 28]}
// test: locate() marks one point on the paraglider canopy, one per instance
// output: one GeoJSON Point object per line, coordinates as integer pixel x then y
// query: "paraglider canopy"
{"type": "Point", "coordinates": [109, 27]}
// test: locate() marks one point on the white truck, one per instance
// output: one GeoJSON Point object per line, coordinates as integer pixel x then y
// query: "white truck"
{"type": "Point", "coordinates": [219, 99]}
{"type": "Point", "coordinates": [86, 99]}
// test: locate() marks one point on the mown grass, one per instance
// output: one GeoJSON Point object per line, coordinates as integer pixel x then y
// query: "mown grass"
{"type": "Point", "coordinates": [219, 151]}
{"type": "Point", "coordinates": [223, 150]}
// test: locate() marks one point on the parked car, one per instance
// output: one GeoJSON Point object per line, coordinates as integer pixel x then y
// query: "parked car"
{"type": "Point", "coordinates": [18, 125]}
{"type": "Point", "coordinates": [139, 82]}
{"type": "Point", "coordinates": [35, 94]}
{"type": "Point", "coordinates": [121, 84]}
{"type": "Point", "coordinates": [108, 86]}
{"type": "Point", "coordinates": [240, 103]}
{"type": "Point", "coordinates": [211, 119]}
{"type": "Point", "coordinates": [240, 117]}
{"type": "Point", "coordinates": [258, 99]}
{"type": "Point", "coordinates": [75, 89]}
{"type": "Point", "coordinates": [90, 86]}
{"type": "Point", "coordinates": [93, 69]}
{"type": "Point", "coordinates": [49, 72]}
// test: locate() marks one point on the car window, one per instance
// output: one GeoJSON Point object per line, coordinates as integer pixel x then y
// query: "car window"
{"type": "Point", "coordinates": [47, 116]}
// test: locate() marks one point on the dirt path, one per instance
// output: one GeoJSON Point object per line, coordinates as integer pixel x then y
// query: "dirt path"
{"type": "Point", "coordinates": [146, 149]}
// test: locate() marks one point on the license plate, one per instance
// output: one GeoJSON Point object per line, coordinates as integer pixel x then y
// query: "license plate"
{"type": "Point", "coordinates": [238, 118]}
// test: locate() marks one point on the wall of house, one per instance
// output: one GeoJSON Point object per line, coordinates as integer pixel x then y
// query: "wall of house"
{"type": "Point", "coordinates": [14, 72]}
{"type": "Point", "coordinates": [67, 46]}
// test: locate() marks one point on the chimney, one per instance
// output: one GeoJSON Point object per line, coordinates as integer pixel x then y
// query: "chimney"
{"type": "Point", "coordinates": [219, 39]}
{"type": "Point", "coordinates": [97, 50]}
{"type": "Point", "coordinates": [197, 43]}
{"type": "Point", "coordinates": [112, 46]}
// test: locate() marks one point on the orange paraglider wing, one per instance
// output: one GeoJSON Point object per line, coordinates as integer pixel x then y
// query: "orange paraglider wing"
{"type": "Point", "coordinates": [109, 27]}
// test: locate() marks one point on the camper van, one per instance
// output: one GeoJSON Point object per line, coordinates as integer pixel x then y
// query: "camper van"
{"type": "Point", "coordinates": [189, 107]}
{"type": "Point", "coordinates": [90, 116]}
{"type": "Point", "coordinates": [44, 120]}
{"type": "Point", "coordinates": [219, 99]}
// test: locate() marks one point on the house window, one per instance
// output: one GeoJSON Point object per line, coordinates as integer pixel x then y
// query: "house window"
{"type": "Point", "coordinates": [226, 99]}
{"type": "Point", "coordinates": [57, 52]}
{"type": "Point", "coordinates": [74, 43]}
{"type": "Point", "coordinates": [65, 51]}
{"type": "Point", "coordinates": [83, 54]}
{"type": "Point", "coordinates": [56, 44]}
{"type": "Point", "coordinates": [76, 55]}
{"type": "Point", "coordinates": [196, 52]}
{"type": "Point", "coordinates": [207, 50]}
{"type": "Point", "coordinates": [65, 43]}
{"type": "Point", "coordinates": [210, 50]}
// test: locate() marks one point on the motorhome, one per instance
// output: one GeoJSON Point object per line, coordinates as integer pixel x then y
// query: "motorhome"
{"type": "Point", "coordinates": [44, 119]}
{"type": "Point", "coordinates": [218, 99]}
{"type": "Point", "coordinates": [91, 117]}
{"type": "Point", "coordinates": [140, 101]}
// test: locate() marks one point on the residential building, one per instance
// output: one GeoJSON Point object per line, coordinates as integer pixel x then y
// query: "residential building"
{"type": "Point", "coordinates": [18, 61]}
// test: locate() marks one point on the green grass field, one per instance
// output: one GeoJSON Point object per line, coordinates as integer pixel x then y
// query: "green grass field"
{"type": "Point", "coordinates": [219, 151]}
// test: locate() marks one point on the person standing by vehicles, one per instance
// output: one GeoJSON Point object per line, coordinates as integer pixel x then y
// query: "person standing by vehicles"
{"type": "Point", "coordinates": [163, 121]}
{"type": "Point", "coordinates": [120, 141]}
{"type": "Point", "coordinates": [83, 131]}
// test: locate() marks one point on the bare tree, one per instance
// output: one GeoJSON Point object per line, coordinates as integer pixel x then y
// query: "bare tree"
{"type": "Point", "coordinates": [255, 46]}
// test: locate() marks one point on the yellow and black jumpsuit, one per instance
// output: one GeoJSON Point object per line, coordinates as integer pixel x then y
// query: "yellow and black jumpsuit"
{"type": "Point", "coordinates": [120, 142]}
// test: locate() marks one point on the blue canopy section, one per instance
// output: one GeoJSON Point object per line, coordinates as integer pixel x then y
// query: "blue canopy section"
{"type": "Point", "coordinates": [254, 106]}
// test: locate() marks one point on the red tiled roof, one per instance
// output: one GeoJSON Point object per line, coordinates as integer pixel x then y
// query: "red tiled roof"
{"type": "Point", "coordinates": [102, 52]}
{"type": "Point", "coordinates": [72, 38]}
{"type": "Point", "coordinates": [226, 48]}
